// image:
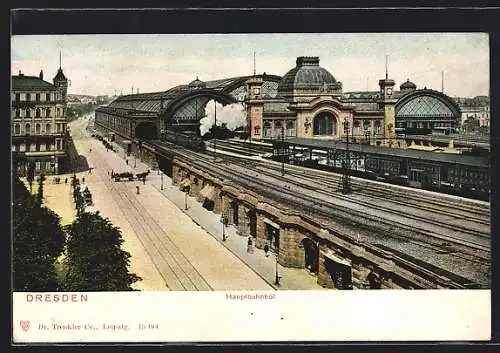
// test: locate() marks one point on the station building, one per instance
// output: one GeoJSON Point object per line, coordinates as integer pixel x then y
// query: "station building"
{"type": "Point", "coordinates": [310, 103]}
{"type": "Point", "coordinates": [307, 102]}
{"type": "Point", "coordinates": [38, 122]}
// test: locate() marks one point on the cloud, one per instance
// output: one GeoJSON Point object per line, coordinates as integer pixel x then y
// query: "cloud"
{"type": "Point", "coordinates": [105, 64]}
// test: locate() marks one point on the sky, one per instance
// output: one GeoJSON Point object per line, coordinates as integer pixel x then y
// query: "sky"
{"type": "Point", "coordinates": [109, 64]}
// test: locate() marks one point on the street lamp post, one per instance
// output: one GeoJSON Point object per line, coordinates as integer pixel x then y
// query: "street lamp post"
{"type": "Point", "coordinates": [346, 182]}
{"type": "Point", "coordinates": [282, 150]}
{"type": "Point", "coordinates": [277, 279]}
{"type": "Point", "coordinates": [161, 178]}
{"type": "Point", "coordinates": [186, 200]}
{"type": "Point", "coordinates": [224, 222]}
{"type": "Point", "coordinates": [276, 250]}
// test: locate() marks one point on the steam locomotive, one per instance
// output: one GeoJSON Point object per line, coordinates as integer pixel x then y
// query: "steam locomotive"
{"type": "Point", "coordinates": [185, 139]}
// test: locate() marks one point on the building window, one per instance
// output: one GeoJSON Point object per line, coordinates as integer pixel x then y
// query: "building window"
{"type": "Point", "coordinates": [37, 113]}
{"type": "Point", "coordinates": [377, 127]}
{"type": "Point", "coordinates": [18, 97]}
{"type": "Point", "coordinates": [277, 129]}
{"type": "Point", "coordinates": [47, 112]}
{"type": "Point", "coordinates": [356, 129]}
{"type": "Point", "coordinates": [47, 129]}
{"type": "Point", "coordinates": [37, 129]}
{"type": "Point", "coordinates": [324, 124]}
{"type": "Point", "coordinates": [18, 113]}
{"type": "Point", "coordinates": [256, 130]}
{"type": "Point", "coordinates": [28, 147]}
{"type": "Point", "coordinates": [267, 129]}
{"type": "Point", "coordinates": [290, 128]}
{"type": "Point", "coordinates": [28, 113]}
{"type": "Point", "coordinates": [27, 129]}
{"type": "Point", "coordinates": [47, 97]}
{"type": "Point", "coordinates": [17, 129]}
{"type": "Point", "coordinates": [37, 97]}
{"type": "Point", "coordinates": [37, 165]}
{"type": "Point", "coordinates": [28, 97]}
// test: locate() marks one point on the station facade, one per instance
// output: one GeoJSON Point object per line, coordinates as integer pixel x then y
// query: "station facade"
{"type": "Point", "coordinates": [310, 103]}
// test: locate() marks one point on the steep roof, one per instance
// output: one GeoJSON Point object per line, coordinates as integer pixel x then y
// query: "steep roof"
{"type": "Point", "coordinates": [31, 83]}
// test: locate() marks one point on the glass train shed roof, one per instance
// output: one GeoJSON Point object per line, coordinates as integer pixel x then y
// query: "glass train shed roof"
{"type": "Point", "coordinates": [425, 105]}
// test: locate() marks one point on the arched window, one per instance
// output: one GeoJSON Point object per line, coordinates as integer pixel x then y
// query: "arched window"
{"type": "Point", "coordinates": [267, 130]}
{"type": "Point", "coordinates": [37, 114]}
{"type": "Point", "coordinates": [377, 127]}
{"type": "Point", "coordinates": [290, 128]}
{"type": "Point", "coordinates": [18, 113]}
{"type": "Point", "coordinates": [27, 129]}
{"type": "Point", "coordinates": [277, 128]}
{"type": "Point", "coordinates": [17, 129]}
{"type": "Point", "coordinates": [47, 112]}
{"type": "Point", "coordinates": [325, 123]}
{"type": "Point", "coordinates": [366, 127]}
{"type": "Point", "coordinates": [47, 129]}
{"type": "Point", "coordinates": [37, 129]}
{"type": "Point", "coordinates": [28, 113]}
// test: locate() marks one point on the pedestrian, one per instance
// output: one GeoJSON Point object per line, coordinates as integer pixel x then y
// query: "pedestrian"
{"type": "Point", "coordinates": [112, 173]}
{"type": "Point", "coordinates": [137, 187]}
{"type": "Point", "coordinates": [144, 180]}
{"type": "Point", "coordinates": [83, 180]}
{"type": "Point", "coordinates": [250, 245]}
{"type": "Point", "coordinates": [108, 172]}
{"type": "Point", "coordinates": [126, 161]}
{"type": "Point", "coordinates": [266, 250]}
{"type": "Point", "coordinates": [65, 180]}
{"type": "Point", "coordinates": [90, 170]}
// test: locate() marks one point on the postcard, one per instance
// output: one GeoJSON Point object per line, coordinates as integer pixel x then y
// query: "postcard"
{"type": "Point", "coordinates": [251, 187]}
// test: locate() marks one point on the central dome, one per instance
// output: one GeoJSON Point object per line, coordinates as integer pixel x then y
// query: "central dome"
{"type": "Point", "coordinates": [307, 76]}
{"type": "Point", "coordinates": [197, 84]}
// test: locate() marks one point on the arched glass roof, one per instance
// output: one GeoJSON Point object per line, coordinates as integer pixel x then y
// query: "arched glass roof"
{"type": "Point", "coordinates": [424, 105]}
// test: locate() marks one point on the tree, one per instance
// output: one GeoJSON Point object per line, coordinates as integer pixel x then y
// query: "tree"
{"type": "Point", "coordinates": [471, 124]}
{"type": "Point", "coordinates": [39, 196]}
{"type": "Point", "coordinates": [38, 240]}
{"type": "Point", "coordinates": [30, 175]}
{"type": "Point", "coordinates": [94, 259]}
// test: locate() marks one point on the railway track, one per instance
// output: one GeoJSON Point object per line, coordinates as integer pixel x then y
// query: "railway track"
{"type": "Point", "coordinates": [478, 214]}
{"type": "Point", "coordinates": [310, 200]}
{"type": "Point", "coordinates": [431, 207]}
{"type": "Point", "coordinates": [175, 269]}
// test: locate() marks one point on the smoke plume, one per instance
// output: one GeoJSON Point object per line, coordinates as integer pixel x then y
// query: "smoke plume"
{"type": "Point", "coordinates": [233, 115]}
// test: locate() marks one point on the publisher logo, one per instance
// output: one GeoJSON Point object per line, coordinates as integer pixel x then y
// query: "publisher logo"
{"type": "Point", "coordinates": [25, 325]}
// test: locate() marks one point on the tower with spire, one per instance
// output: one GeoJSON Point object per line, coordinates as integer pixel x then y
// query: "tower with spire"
{"type": "Point", "coordinates": [255, 104]}
{"type": "Point", "coordinates": [387, 104]}
{"type": "Point", "coordinates": [61, 82]}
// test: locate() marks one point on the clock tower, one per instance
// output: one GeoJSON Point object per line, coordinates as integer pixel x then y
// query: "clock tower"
{"type": "Point", "coordinates": [387, 103]}
{"type": "Point", "coordinates": [255, 107]}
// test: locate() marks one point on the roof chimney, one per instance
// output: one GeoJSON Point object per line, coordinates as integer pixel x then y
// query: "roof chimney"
{"type": "Point", "coordinates": [41, 74]}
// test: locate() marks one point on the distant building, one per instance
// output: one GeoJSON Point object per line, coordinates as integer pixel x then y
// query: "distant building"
{"type": "Point", "coordinates": [477, 107]}
{"type": "Point", "coordinates": [38, 115]}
